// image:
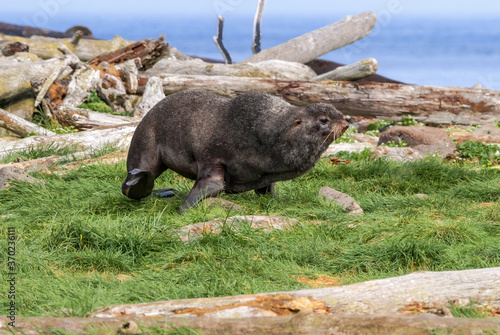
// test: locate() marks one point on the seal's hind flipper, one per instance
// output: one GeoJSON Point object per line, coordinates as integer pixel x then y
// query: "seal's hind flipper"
{"type": "Point", "coordinates": [138, 184]}
{"type": "Point", "coordinates": [209, 183]}
{"type": "Point", "coordinates": [271, 188]}
{"type": "Point", "coordinates": [165, 192]}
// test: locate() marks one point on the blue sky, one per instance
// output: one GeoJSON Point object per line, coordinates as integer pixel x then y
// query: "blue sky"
{"type": "Point", "coordinates": [195, 7]}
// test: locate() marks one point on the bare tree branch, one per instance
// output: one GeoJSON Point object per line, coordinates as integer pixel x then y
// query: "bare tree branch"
{"type": "Point", "coordinates": [256, 26]}
{"type": "Point", "coordinates": [218, 40]}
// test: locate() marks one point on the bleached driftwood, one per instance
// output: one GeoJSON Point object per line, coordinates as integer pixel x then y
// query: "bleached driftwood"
{"type": "Point", "coordinates": [351, 72]}
{"type": "Point", "coordinates": [303, 323]}
{"type": "Point", "coordinates": [92, 139]}
{"type": "Point", "coordinates": [86, 49]}
{"type": "Point", "coordinates": [273, 69]}
{"type": "Point", "coordinates": [21, 126]}
{"type": "Point", "coordinates": [256, 26]}
{"type": "Point", "coordinates": [17, 72]}
{"type": "Point", "coordinates": [431, 289]}
{"type": "Point", "coordinates": [69, 60]}
{"type": "Point", "coordinates": [314, 44]}
{"type": "Point", "coordinates": [84, 119]}
{"type": "Point", "coordinates": [414, 303]}
{"type": "Point", "coordinates": [218, 40]}
{"type": "Point", "coordinates": [152, 95]}
{"type": "Point", "coordinates": [433, 105]}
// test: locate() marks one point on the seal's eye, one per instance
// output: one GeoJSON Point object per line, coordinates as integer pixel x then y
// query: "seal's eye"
{"type": "Point", "coordinates": [323, 120]}
{"type": "Point", "coordinates": [297, 122]}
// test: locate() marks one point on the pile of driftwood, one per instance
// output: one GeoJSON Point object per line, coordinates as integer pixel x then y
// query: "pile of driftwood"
{"type": "Point", "coordinates": [57, 74]}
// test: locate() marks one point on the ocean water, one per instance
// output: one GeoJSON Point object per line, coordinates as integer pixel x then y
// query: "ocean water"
{"type": "Point", "coordinates": [426, 51]}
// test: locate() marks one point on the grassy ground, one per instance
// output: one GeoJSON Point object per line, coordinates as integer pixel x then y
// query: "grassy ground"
{"type": "Point", "coordinates": [81, 244]}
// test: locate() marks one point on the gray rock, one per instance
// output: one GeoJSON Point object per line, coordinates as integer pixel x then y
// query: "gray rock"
{"type": "Point", "coordinates": [397, 154]}
{"type": "Point", "coordinates": [425, 140]}
{"type": "Point", "coordinates": [10, 173]}
{"type": "Point", "coordinates": [266, 223]}
{"type": "Point", "coordinates": [341, 199]}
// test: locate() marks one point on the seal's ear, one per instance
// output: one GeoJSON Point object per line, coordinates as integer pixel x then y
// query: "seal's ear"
{"type": "Point", "coordinates": [297, 122]}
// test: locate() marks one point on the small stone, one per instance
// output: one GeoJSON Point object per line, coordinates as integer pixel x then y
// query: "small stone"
{"type": "Point", "coordinates": [425, 140]}
{"type": "Point", "coordinates": [421, 195]}
{"type": "Point", "coordinates": [265, 223]}
{"type": "Point", "coordinates": [341, 199]}
{"type": "Point", "coordinates": [396, 154]}
{"type": "Point", "coordinates": [10, 173]}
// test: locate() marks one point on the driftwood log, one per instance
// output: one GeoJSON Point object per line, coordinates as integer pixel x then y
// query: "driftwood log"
{"type": "Point", "coordinates": [432, 105]}
{"type": "Point", "coordinates": [314, 44]}
{"type": "Point", "coordinates": [362, 69]}
{"type": "Point", "coordinates": [21, 126]}
{"type": "Point", "coordinates": [273, 69]}
{"type": "Point", "coordinates": [91, 139]}
{"type": "Point", "coordinates": [18, 71]}
{"type": "Point", "coordinates": [148, 51]}
{"type": "Point", "coordinates": [85, 49]}
{"type": "Point", "coordinates": [412, 304]}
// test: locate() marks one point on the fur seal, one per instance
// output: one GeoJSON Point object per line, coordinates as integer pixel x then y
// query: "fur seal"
{"type": "Point", "coordinates": [232, 145]}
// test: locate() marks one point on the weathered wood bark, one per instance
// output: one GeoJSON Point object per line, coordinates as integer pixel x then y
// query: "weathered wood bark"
{"type": "Point", "coordinates": [314, 44]}
{"type": "Point", "coordinates": [257, 21]}
{"type": "Point", "coordinates": [21, 126]}
{"type": "Point", "coordinates": [302, 323]}
{"type": "Point", "coordinates": [92, 139]}
{"type": "Point", "coordinates": [84, 119]}
{"type": "Point", "coordinates": [384, 306]}
{"type": "Point", "coordinates": [429, 290]}
{"type": "Point", "coordinates": [86, 49]}
{"type": "Point", "coordinates": [218, 40]}
{"type": "Point", "coordinates": [9, 49]}
{"type": "Point", "coordinates": [362, 69]}
{"type": "Point", "coordinates": [148, 51]}
{"type": "Point", "coordinates": [273, 69]}
{"type": "Point", "coordinates": [434, 105]}
{"type": "Point", "coordinates": [16, 76]}
{"type": "Point", "coordinates": [152, 95]}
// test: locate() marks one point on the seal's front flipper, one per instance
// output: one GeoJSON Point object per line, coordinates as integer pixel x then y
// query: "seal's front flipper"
{"type": "Point", "coordinates": [271, 188]}
{"type": "Point", "coordinates": [209, 183]}
{"type": "Point", "coordinates": [165, 192]}
{"type": "Point", "coordinates": [138, 184]}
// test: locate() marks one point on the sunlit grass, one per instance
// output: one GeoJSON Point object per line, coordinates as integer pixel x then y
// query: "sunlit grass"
{"type": "Point", "coordinates": [81, 244]}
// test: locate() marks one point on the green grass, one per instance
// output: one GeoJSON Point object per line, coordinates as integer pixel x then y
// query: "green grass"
{"type": "Point", "coordinates": [471, 311]}
{"type": "Point", "coordinates": [39, 151]}
{"type": "Point", "coordinates": [81, 244]}
{"type": "Point", "coordinates": [54, 149]}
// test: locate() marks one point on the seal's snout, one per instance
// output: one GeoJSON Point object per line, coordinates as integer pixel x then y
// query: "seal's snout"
{"type": "Point", "coordinates": [138, 184]}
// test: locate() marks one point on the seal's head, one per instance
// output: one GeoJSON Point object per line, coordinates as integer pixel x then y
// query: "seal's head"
{"type": "Point", "coordinates": [312, 130]}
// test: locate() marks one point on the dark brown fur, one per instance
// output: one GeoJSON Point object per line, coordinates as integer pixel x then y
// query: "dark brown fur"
{"type": "Point", "coordinates": [233, 145]}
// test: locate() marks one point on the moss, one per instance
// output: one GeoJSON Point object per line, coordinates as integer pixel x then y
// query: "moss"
{"type": "Point", "coordinates": [94, 103]}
